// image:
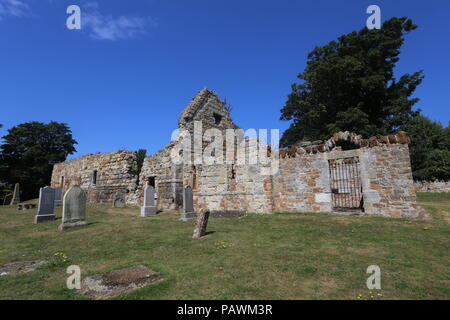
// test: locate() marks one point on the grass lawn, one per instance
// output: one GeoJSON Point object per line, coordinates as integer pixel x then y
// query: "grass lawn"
{"type": "Point", "coordinates": [279, 256]}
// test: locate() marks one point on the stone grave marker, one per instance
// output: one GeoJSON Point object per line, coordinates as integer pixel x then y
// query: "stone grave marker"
{"type": "Point", "coordinates": [149, 207]}
{"type": "Point", "coordinates": [46, 205]}
{"type": "Point", "coordinates": [188, 205]}
{"type": "Point", "coordinates": [58, 197]}
{"type": "Point", "coordinates": [14, 268]}
{"type": "Point", "coordinates": [117, 282]}
{"type": "Point", "coordinates": [202, 223]}
{"type": "Point", "coordinates": [7, 200]}
{"type": "Point", "coordinates": [119, 200]}
{"type": "Point", "coordinates": [16, 195]}
{"type": "Point", "coordinates": [74, 208]}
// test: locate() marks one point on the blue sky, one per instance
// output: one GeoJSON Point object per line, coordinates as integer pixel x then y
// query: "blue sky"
{"type": "Point", "coordinates": [122, 81]}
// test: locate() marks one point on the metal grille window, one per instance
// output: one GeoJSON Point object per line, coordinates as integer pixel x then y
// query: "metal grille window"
{"type": "Point", "coordinates": [346, 187]}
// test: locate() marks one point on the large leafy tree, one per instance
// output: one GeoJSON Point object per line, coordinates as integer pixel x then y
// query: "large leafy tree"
{"type": "Point", "coordinates": [29, 151]}
{"type": "Point", "coordinates": [430, 149]}
{"type": "Point", "coordinates": [349, 84]}
{"type": "Point", "coordinates": [5, 188]}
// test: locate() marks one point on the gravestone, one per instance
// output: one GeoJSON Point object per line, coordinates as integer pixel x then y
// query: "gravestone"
{"type": "Point", "coordinates": [202, 223]}
{"type": "Point", "coordinates": [16, 195]}
{"type": "Point", "coordinates": [74, 209]}
{"type": "Point", "coordinates": [58, 197]}
{"type": "Point", "coordinates": [26, 206]}
{"type": "Point", "coordinates": [188, 205]}
{"type": "Point", "coordinates": [119, 200]}
{"type": "Point", "coordinates": [7, 200]}
{"type": "Point", "coordinates": [46, 205]}
{"type": "Point", "coordinates": [149, 207]}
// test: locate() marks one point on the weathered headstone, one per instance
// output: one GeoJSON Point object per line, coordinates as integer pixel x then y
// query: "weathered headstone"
{"type": "Point", "coordinates": [119, 200]}
{"type": "Point", "coordinates": [58, 197]}
{"type": "Point", "coordinates": [202, 223]}
{"type": "Point", "coordinates": [188, 205]}
{"type": "Point", "coordinates": [74, 208]}
{"type": "Point", "coordinates": [117, 282]}
{"type": "Point", "coordinates": [7, 200]}
{"type": "Point", "coordinates": [16, 195]}
{"type": "Point", "coordinates": [46, 205]}
{"type": "Point", "coordinates": [149, 207]}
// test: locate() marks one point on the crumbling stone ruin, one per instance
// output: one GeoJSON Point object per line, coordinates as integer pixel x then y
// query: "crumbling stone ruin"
{"type": "Point", "coordinates": [100, 175]}
{"type": "Point", "coordinates": [374, 177]}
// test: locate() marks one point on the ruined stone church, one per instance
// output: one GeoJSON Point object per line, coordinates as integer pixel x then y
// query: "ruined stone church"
{"type": "Point", "coordinates": [373, 178]}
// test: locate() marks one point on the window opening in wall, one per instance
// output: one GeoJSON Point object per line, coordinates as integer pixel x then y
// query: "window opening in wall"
{"type": "Point", "coordinates": [217, 118]}
{"type": "Point", "coordinates": [151, 181]}
{"type": "Point", "coordinates": [62, 181]}
{"type": "Point", "coordinates": [233, 172]}
{"type": "Point", "coordinates": [94, 177]}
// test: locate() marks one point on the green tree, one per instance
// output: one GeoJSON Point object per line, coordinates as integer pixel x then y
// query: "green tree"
{"type": "Point", "coordinates": [140, 157]}
{"type": "Point", "coordinates": [430, 145]}
{"type": "Point", "coordinates": [349, 84]}
{"type": "Point", "coordinates": [29, 151]}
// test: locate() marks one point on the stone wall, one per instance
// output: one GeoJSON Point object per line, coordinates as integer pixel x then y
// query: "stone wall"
{"type": "Point", "coordinates": [432, 186]}
{"type": "Point", "coordinates": [388, 183]}
{"type": "Point", "coordinates": [115, 171]}
{"type": "Point", "coordinates": [166, 177]}
{"type": "Point", "coordinates": [206, 108]}
{"type": "Point", "coordinates": [209, 109]}
{"type": "Point", "coordinates": [303, 184]}
{"type": "Point", "coordinates": [232, 188]}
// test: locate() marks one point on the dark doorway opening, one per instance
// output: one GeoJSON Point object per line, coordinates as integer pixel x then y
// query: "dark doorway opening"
{"type": "Point", "coordinates": [151, 181]}
{"type": "Point", "coordinates": [94, 177]}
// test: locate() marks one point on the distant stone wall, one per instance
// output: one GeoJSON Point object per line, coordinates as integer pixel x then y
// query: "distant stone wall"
{"type": "Point", "coordinates": [432, 186]}
{"type": "Point", "coordinates": [115, 171]}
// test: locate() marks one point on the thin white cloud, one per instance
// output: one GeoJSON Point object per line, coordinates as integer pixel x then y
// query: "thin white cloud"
{"type": "Point", "coordinates": [107, 27]}
{"type": "Point", "coordinates": [16, 8]}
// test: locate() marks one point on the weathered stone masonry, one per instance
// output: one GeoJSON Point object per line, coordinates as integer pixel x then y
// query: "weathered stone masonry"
{"type": "Point", "coordinates": [303, 182]}
{"type": "Point", "coordinates": [101, 175]}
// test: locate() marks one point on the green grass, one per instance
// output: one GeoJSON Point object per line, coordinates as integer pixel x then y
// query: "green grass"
{"type": "Point", "coordinates": [280, 256]}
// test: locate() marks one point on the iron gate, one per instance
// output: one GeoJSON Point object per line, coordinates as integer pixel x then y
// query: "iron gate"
{"type": "Point", "coordinates": [346, 188]}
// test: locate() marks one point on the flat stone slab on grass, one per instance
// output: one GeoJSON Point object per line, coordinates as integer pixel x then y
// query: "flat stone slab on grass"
{"type": "Point", "coordinates": [19, 267]}
{"type": "Point", "coordinates": [114, 283]}
{"type": "Point", "coordinates": [228, 214]}
{"type": "Point", "coordinates": [26, 206]}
